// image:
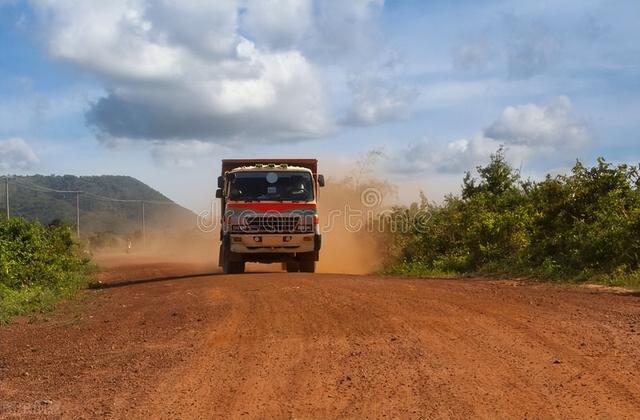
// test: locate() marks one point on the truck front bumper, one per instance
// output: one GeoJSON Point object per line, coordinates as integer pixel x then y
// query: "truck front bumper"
{"type": "Point", "coordinates": [270, 243]}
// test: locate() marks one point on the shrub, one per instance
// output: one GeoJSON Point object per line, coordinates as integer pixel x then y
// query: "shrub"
{"type": "Point", "coordinates": [578, 226]}
{"type": "Point", "coordinates": [38, 265]}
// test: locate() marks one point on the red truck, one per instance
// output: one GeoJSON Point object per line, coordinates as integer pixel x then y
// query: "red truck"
{"type": "Point", "coordinates": [269, 213]}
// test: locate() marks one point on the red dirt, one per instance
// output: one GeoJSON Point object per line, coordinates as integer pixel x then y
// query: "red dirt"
{"type": "Point", "coordinates": [323, 345]}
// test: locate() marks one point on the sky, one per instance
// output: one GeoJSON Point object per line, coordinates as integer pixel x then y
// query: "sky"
{"type": "Point", "coordinates": [163, 90]}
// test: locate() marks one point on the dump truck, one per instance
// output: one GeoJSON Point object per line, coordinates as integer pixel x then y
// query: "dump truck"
{"type": "Point", "coordinates": [269, 213]}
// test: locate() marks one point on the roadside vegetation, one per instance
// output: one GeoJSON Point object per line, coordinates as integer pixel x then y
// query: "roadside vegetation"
{"type": "Point", "coordinates": [580, 227]}
{"type": "Point", "coordinates": [38, 266]}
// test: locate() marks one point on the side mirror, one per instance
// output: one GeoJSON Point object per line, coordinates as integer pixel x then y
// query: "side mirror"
{"type": "Point", "coordinates": [321, 180]}
{"type": "Point", "coordinates": [219, 193]}
{"type": "Point", "coordinates": [220, 182]}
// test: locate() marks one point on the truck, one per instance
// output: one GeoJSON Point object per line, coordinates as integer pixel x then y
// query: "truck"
{"type": "Point", "coordinates": [269, 213]}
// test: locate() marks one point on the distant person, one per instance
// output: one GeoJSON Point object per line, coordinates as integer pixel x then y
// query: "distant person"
{"type": "Point", "coordinates": [128, 250]}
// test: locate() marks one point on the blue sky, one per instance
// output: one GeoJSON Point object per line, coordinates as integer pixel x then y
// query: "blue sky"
{"type": "Point", "coordinates": [163, 90]}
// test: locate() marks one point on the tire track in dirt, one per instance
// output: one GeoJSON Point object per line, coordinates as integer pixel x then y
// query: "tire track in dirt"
{"type": "Point", "coordinates": [352, 346]}
{"type": "Point", "coordinates": [265, 345]}
{"type": "Point", "coordinates": [493, 338]}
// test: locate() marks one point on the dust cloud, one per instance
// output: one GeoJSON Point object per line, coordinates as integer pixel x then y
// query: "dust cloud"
{"type": "Point", "coordinates": [349, 208]}
{"type": "Point", "coordinates": [163, 242]}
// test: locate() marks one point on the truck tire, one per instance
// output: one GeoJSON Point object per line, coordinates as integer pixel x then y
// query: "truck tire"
{"type": "Point", "coordinates": [233, 267]}
{"type": "Point", "coordinates": [238, 267]}
{"type": "Point", "coordinates": [231, 263]}
{"type": "Point", "coordinates": [308, 266]}
{"type": "Point", "coordinates": [292, 266]}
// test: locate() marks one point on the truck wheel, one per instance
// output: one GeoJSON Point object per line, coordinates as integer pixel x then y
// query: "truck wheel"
{"type": "Point", "coordinates": [292, 266]}
{"type": "Point", "coordinates": [238, 267]}
{"type": "Point", "coordinates": [308, 266]}
{"type": "Point", "coordinates": [233, 267]}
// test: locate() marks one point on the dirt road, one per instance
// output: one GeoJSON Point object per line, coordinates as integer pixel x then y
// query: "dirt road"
{"type": "Point", "coordinates": [264, 345]}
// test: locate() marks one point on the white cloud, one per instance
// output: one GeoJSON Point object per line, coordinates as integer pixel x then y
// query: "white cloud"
{"type": "Point", "coordinates": [220, 71]}
{"type": "Point", "coordinates": [540, 126]}
{"type": "Point", "coordinates": [377, 101]}
{"type": "Point", "coordinates": [327, 29]}
{"type": "Point", "coordinates": [279, 24]}
{"type": "Point", "coordinates": [182, 71]}
{"type": "Point", "coordinates": [525, 131]}
{"type": "Point", "coordinates": [454, 157]}
{"type": "Point", "coordinates": [15, 153]}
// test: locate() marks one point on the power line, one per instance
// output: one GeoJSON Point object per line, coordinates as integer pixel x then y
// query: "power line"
{"type": "Point", "coordinates": [117, 200]}
{"type": "Point", "coordinates": [40, 188]}
{"type": "Point", "coordinates": [122, 200]}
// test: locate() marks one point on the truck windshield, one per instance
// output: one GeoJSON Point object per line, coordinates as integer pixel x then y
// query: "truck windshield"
{"type": "Point", "coordinates": [270, 185]}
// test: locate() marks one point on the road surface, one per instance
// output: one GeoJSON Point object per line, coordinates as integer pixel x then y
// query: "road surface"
{"type": "Point", "coordinates": [265, 345]}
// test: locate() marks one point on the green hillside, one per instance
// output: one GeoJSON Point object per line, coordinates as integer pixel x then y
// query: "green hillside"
{"type": "Point", "coordinates": [31, 198]}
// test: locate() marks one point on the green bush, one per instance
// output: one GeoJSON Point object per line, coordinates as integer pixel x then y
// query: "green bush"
{"type": "Point", "coordinates": [38, 266]}
{"type": "Point", "coordinates": [582, 226]}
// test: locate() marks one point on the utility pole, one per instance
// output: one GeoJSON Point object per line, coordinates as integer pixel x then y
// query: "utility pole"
{"type": "Point", "coordinates": [6, 180]}
{"type": "Point", "coordinates": [78, 214]}
{"type": "Point", "coordinates": [144, 228]}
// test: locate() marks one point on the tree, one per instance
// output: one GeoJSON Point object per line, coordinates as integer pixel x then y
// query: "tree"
{"type": "Point", "coordinates": [496, 178]}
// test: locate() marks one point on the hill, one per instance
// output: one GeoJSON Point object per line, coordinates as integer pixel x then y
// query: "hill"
{"type": "Point", "coordinates": [37, 198]}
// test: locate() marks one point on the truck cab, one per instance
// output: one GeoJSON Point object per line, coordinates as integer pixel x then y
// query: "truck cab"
{"type": "Point", "coordinates": [270, 213]}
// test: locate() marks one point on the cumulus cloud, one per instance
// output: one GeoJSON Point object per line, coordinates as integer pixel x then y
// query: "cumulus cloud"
{"type": "Point", "coordinates": [525, 131]}
{"type": "Point", "coordinates": [15, 153]}
{"type": "Point", "coordinates": [185, 70]}
{"type": "Point", "coordinates": [327, 29]}
{"type": "Point", "coordinates": [218, 71]}
{"type": "Point", "coordinates": [540, 126]}
{"type": "Point", "coordinates": [278, 24]}
{"type": "Point", "coordinates": [377, 101]}
{"type": "Point", "coordinates": [284, 100]}
{"type": "Point", "coordinates": [184, 154]}
{"type": "Point", "coordinates": [454, 157]}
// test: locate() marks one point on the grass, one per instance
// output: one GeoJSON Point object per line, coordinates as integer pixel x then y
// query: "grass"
{"type": "Point", "coordinates": [617, 279]}
{"type": "Point", "coordinates": [626, 280]}
{"type": "Point", "coordinates": [417, 269]}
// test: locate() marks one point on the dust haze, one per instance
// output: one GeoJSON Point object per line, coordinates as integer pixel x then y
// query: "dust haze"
{"type": "Point", "coordinates": [348, 207]}
{"type": "Point", "coordinates": [349, 243]}
{"type": "Point", "coordinates": [168, 242]}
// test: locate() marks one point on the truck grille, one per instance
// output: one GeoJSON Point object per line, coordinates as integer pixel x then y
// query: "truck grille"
{"type": "Point", "coordinates": [274, 224]}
